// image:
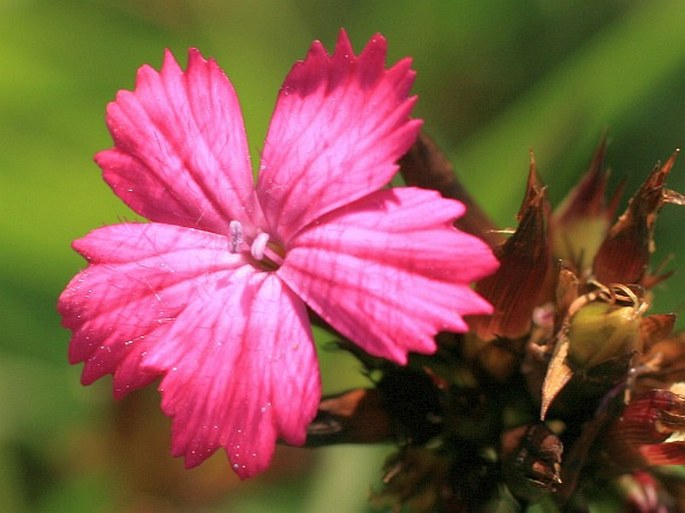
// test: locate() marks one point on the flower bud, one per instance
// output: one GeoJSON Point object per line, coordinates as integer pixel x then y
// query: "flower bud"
{"type": "Point", "coordinates": [526, 275]}
{"type": "Point", "coordinates": [580, 223]}
{"type": "Point", "coordinates": [642, 493]}
{"type": "Point", "coordinates": [414, 476]}
{"type": "Point", "coordinates": [624, 254]}
{"type": "Point", "coordinates": [531, 461]}
{"type": "Point", "coordinates": [601, 331]}
{"type": "Point", "coordinates": [640, 437]}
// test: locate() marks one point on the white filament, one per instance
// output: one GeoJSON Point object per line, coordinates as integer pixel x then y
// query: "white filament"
{"type": "Point", "coordinates": [259, 245]}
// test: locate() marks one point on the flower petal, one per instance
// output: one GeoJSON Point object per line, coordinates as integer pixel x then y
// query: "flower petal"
{"type": "Point", "coordinates": [670, 453]}
{"type": "Point", "coordinates": [180, 154]}
{"type": "Point", "coordinates": [340, 124]}
{"type": "Point", "coordinates": [240, 371]}
{"type": "Point", "coordinates": [140, 278]}
{"type": "Point", "coordinates": [390, 271]}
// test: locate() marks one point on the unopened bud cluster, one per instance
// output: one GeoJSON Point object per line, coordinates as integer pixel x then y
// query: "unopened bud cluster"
{"type": "Point", "coordinates": [567, 395]}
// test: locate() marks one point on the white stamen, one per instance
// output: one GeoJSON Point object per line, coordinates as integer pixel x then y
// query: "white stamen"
{"type": "Point", "coordinates": [235, 229]}
{"type": "Point", "coordinates": [259, 245]}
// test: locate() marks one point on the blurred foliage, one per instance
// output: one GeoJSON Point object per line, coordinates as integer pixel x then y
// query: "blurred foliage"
{"type": "Point", "coordinates": [495, 79]}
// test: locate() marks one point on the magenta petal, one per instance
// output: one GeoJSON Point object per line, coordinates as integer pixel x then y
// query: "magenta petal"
{"type": "Point", "coordinates": [340, 124]}
{"type": "Point", "coordinates": [390, 271]}
{"type": "Point", "coordinates": [180, 152]}
{"type": "Point", "coordinates": [140, 278]}
{"type": "Point", "coordinates": [240, 371]}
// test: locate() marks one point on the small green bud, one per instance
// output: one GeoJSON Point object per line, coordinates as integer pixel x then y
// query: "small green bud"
{"type": "Point", "coordinates": [601, 331]}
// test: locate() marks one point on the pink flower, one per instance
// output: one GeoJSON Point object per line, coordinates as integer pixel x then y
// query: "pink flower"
{"type": "Point", "coordinates": [212, 294]}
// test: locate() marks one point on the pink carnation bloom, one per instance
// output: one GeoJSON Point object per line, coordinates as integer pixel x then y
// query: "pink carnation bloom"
{"type": "Point", "coordinates": [212, 294]}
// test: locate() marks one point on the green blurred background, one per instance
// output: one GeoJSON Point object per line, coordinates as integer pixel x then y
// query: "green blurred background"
{"type": "Point", "coordinates": [495, 78]}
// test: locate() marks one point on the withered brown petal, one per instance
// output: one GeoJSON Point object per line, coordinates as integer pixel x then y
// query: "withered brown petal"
{"type": "Point", "coordinates": [559, 373]}
{"type": "Point", "coordinates": [671, 453]}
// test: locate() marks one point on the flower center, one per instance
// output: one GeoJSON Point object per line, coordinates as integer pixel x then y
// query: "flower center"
{"type": "Point", "coordinates": [268, 255]}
